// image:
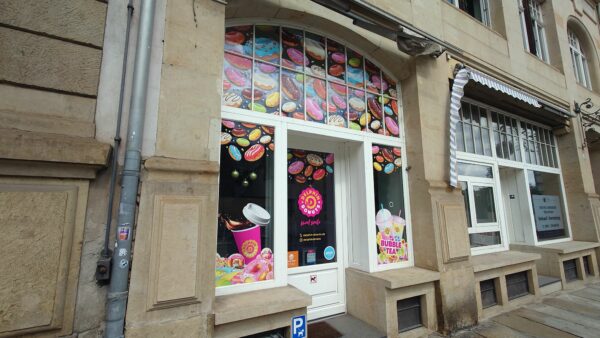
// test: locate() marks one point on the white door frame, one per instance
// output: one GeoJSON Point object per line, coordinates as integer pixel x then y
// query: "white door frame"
{"type": "Point", "coordinates": [336, 146]}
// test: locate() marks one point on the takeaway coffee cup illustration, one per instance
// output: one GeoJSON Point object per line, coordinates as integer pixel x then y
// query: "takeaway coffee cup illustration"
{"type": "Point", "coordinates": [248, 239]}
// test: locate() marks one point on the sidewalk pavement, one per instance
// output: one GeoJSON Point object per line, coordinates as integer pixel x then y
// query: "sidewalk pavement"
{"type": "Point", "coordinates": [573, 313]}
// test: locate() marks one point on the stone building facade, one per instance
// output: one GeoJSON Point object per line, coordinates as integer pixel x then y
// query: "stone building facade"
{"type": "Point", "coordinates": [254, 103]}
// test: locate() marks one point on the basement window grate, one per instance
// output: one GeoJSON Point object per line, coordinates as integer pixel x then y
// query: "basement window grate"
{"type": "Point", "coordinates": [409, 314]}
{"type": "Point", "coordinates": [587, 265]}
{"type": "Point", "coordinates": [570, 268]}
{"type": "Point", "coordinates": [488, 293]}
{"type": "Point", "coordinates": [517, 285]}
{"type": "Point", "coordinates": [278, 333]}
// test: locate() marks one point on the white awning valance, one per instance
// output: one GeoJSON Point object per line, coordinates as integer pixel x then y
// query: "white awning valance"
{"type": "Point", "coordinates": [500, 86]}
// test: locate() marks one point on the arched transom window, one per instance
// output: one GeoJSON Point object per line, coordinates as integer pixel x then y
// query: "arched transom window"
{"type": "Point", "coordinates": [580, 65]}
{"type": "Point", "coordinates": [299, 74]}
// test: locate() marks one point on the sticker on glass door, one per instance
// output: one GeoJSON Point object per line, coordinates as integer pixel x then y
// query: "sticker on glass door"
{"type": "Point", "coordinates": [311, 208]}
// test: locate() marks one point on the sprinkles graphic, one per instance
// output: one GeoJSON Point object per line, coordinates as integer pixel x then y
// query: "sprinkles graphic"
{"type": "Point", "coordinates": [310, 202]}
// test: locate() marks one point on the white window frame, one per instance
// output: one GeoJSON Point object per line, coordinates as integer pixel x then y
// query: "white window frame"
{"type": "Point", "coordinates": [496, 162]}
{"type": "Point", "coordinates": [499, 225]}
{"type": "Point", "coordinates": [282, 126]}
{"type": "Point", "coordinates": [485, 10]}
{"type": "Point", "coordinates": [539, 31]}
{"type": "Point", "coordinates": [579, 61]}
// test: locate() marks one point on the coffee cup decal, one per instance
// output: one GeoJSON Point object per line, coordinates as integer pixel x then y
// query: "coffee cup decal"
{"type": "Point", "coordinates": [252, 262]}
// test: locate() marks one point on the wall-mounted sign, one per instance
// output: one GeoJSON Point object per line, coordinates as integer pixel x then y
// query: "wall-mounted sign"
{"type": "Point", "coordinates": [547, 211]}
{"type": "Point", "coordinates": [299, 327]}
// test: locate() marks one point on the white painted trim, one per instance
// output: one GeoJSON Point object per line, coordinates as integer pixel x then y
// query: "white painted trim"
{"type": "Point", "coordinates": [523, 165]}
{"type": "Point", "coordinates": [283, 126]}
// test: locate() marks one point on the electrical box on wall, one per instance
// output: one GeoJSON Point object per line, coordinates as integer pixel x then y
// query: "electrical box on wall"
{"type": "Point", "coordinates": [103, 270]}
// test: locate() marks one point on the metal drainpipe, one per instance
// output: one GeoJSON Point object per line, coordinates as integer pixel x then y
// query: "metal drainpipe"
{"type": "Point", "coordinates": [119, 281]}
{"type": "Point", "coordinates": [106, 252]}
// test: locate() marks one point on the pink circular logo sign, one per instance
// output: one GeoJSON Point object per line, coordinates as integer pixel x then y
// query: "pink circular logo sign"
{"type": "Point", "coordinates": [310, 202]}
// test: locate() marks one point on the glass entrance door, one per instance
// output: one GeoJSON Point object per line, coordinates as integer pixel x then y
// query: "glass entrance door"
{"type": "Point", "coordinates": [315, 259]}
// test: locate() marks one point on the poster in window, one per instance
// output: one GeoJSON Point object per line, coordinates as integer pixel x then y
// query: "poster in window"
{"type": "Point", "coordinates": [392, 244]}
{"type": "Point", "coordinates": [311, 208]}
{"type": "Point", "coordinates": [548, 215]}
{"type": "Point", "coordinates": [245, 225]}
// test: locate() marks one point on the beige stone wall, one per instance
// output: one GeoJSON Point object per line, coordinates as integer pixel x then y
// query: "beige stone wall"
{"type": "Point", "coordinates": [172, 281]}
{"type": "Point", "coordinates": [49, 160]}
{"type": "Point", "coordinates": [180, 174]}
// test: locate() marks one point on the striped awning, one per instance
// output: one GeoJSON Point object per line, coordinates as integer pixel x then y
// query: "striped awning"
{"type": "Point", "coordinates": [461, 78]}
{"type": "Point", "coordinates": [490, 82]}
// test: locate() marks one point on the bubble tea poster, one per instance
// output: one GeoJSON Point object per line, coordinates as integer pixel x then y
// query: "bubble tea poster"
{"type": "Point", "coordinates": [311, 208]}
{"type": "Point", "coordinates": [392, 245]}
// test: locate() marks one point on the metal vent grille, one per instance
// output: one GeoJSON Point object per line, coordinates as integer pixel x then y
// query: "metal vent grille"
{"type": "Point", "coordinates": [570, 268]}
{"type": "Point", "coordinates": [409, 314]}
{"type": "Point", "coordinates": [278, 333]}
{"type": "Point", "coordinates": [488, 293]}
{"type": "Point", "coordinates": [517, 285]}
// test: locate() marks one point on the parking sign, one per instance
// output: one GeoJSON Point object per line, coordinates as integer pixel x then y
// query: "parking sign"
{"type": "Point", "coordinates": [299, 327]}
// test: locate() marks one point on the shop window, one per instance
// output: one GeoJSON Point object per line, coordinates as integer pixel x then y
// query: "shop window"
{"type": "Point", "coordinates": [488, 293]}
{"type": "Point", "coordinates": [245, 227]}
{"type": "Point", "coordinates": [297, 74]}
{"type": "Point", "coordinates": [579, 61]}
{"type": "Point", "coordinates": [479, 9]}
{"type": "Point", "coordinates": [517, 285]}
{"type": "Point", "coordinates": [473, 131]}
{"type": "Point", "coordinates": [479, 194]}
{"type": "Point", "coordinates": [392, 244]}
{"type": "Point", "coordinates": [506, 137]}
{"type": "Point", "coordinates": [484, 239]}
{"type": "Point", "coordinates": [311, 208]}
{"type": "Point", "coordinates": [532, 26]}
{"type": "Point", "coordinates": [409, 314]}
{"type": "Point", "coordinates": [538, 145]}
{"type": "Point", "coordinates": [475, 170]}
{"type": "Point", "coordinates": [517, 146]}
{"type": "Point", "coordinates": [570, 268]}
{"type": "Point", "coordinates": [547, 205]}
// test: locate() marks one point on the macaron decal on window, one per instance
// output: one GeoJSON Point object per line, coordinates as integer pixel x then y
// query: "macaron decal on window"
{"type": "Point", "coordinates": [299, 74]}
{"type": "Point", "coordinates": [245, 226]}
{"type": "Point", "coordinates": [392, 242]}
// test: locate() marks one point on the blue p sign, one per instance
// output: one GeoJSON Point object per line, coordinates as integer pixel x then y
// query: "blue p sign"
{"type": "Point", "coordinates": [299, 327]}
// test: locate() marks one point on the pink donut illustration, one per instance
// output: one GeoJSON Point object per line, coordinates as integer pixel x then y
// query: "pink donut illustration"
{"type": "Point", "coordinates": [392, 126]}
{"type": "Point", "coordinates": [313, 110]}
{"type": "Point", "coordinates": [338, 101]}
{"type": "Point", "coordinates": [297, 57]}
{"type": "Point", "coordinates": [236, 77]}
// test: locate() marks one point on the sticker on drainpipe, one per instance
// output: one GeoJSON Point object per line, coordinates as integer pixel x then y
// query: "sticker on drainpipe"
{"type": "Point", "coordinates": [123, 263]}
{"type": "Point", "coordinates": [123, 233]}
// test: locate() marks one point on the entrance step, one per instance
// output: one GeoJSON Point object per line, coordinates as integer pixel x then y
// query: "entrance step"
{"type": "Point", "coordinates": [549, 284]}
{"type": "Point", "coordinates": [342, 326]}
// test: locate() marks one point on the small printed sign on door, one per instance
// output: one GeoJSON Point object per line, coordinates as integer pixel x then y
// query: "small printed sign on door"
{"type": "Point", "coordinates": [293, 259]}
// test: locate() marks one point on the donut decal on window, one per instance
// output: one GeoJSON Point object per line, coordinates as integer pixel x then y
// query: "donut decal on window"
{"type": "Point", "coordinates": [299, 74]}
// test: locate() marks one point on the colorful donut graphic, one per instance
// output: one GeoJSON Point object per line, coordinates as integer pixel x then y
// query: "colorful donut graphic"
{"type": "Point", "coordinates": [310, 202]}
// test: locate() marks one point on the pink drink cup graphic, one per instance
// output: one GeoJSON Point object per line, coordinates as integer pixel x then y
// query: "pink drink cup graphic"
{"type": "Point", "coordinates": [248, 242]}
